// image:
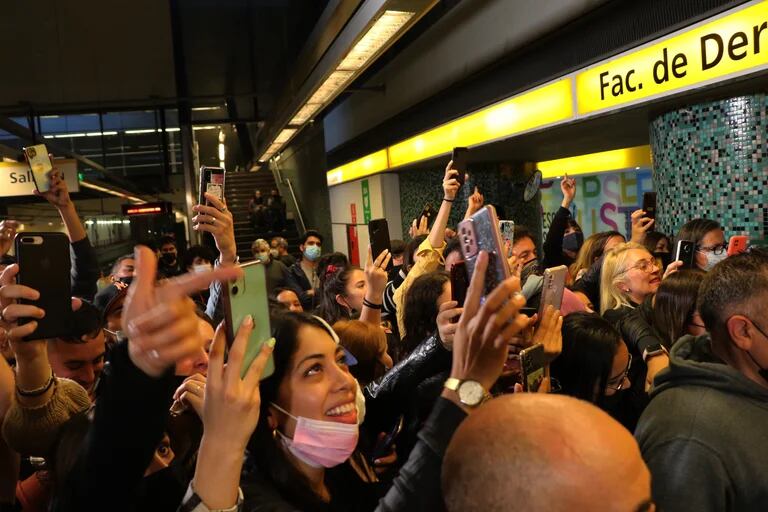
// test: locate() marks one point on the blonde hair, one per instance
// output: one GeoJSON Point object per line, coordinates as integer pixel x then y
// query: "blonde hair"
{"type": "Point", "coordinates": [586, 256]}
{"type": "Point", "coordinates": [611, 276]}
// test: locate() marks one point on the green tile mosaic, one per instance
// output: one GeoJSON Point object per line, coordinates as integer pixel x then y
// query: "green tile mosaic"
{"type": "Point", "coordinates": [711, 160]}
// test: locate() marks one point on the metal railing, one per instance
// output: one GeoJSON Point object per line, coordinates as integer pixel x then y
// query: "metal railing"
{"type": "Point", "coordinates": [287, 181]}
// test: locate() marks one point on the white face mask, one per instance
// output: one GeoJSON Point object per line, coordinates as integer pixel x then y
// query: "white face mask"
{"type": "Point", "coordinates": [713, 259]}
{"type": "Point", "coordinates": [274, 253]}
{"type": "Point", "coordinates": [205, 267]}
{"type": "Point", "coordinates": [263, 257]}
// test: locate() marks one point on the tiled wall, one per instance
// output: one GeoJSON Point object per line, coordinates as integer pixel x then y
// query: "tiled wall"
{"type": "Point", "coordinates": [711, 160]}
{"type": "Point", "coordinates": [501, 185]}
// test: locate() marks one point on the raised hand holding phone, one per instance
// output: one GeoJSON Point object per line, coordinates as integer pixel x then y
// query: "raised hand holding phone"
{"type": "Point", "coordinates": [640, 226]}
{"type": "Point", "coordinates": [481, 341]}
{"type": "Point", "coordinates": [230, 413]}
{"type": "Point", "coordinates": [160, 322]}
{"type": "Point", "coordinates": [215, 218]}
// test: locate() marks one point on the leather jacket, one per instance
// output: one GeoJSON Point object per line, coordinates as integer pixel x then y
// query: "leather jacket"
{"type": "Point", "coordinates": [392, 394]}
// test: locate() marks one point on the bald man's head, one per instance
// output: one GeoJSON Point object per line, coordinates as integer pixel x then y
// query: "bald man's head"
{"type": "Point", "coordinates": [536, 452]}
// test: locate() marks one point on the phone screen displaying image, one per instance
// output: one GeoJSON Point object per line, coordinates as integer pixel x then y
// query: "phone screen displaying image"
{"type": "Point", "coordinates": [41, 166]}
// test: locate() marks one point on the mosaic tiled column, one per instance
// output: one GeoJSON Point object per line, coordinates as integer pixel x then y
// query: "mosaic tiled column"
{"type": "Point", "coordinates": [711, 160]}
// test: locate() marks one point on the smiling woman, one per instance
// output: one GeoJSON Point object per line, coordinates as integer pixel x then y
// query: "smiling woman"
{"type": "Point", "coordinates": [308, 422]}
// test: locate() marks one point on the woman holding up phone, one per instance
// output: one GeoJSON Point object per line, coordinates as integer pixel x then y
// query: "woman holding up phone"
{"type": "Point", "coordinates": [310, 398]}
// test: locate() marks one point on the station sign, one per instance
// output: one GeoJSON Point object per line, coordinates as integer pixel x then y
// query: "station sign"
{"type": "Point", "coordinates": [16, 177]}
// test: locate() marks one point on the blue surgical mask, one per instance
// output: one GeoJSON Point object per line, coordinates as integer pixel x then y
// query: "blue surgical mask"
{"type": "Point", "coordinates": [573, 241]}
{"type": "Point", "coordinates": [312, 252]}
{"type": "Point", "coordinates": [713, 259]}
{"type": "Point", "coordinates": [263, 257]}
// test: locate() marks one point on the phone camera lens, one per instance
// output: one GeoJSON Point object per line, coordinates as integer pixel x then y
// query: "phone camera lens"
{"type": "Point", "coordinates": [235, 290]}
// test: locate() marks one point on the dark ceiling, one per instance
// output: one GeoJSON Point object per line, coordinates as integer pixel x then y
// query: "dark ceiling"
{"type": "Point", "coordinates": [124, 67]}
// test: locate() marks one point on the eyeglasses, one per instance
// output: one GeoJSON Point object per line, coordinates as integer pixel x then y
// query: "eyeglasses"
{"type": "Point", "coordinates": [717, 250]}
{"type": "Point", "coordinates": [621, 379]}
{"type": "Point", "coordinates": [648, 266]}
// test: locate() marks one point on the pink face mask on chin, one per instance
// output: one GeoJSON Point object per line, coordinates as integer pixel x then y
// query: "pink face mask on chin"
{"type": "Point", "coordinates": [320, 443]}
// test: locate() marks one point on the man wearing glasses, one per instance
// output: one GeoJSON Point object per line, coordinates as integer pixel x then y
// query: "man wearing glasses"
{"type": "Point", "coordinates": [704, 435]}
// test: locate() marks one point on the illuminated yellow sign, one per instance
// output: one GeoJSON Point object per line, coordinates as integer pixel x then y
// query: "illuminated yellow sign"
{"type": "Point", "coordinates": [546, 105]}
{"type": "Point", "coordinates": [731, 45]}
{"type": "Point", "coordinates": [605, 161]}
{"type": "Point", "coordinates": [370, 164]}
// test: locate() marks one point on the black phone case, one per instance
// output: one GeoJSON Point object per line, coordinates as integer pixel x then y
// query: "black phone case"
{"type": "Point", "coordinates": [459, 282]}
{"type": "Point", "coordinates": [459, 158]}
{"type": "Point", "coordinates": [378, 234]}
{"type": "Point", "coordinates": [429, 212]}
{"type": "Point", "coordinates": [46, 268]}
{"type": "Point", "coordinates": [685, 252]}
{"type": "Point", "coordinates": [649, 204]}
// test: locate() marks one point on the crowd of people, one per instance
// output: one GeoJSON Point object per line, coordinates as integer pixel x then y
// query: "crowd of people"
{"type": "Point", "coordinates": [378, 390]}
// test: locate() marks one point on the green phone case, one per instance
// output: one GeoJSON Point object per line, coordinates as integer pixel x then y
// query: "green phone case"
{"type": "Point", "coordinates": [248, 296]}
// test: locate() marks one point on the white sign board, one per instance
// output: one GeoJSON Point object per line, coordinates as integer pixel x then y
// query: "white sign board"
{"type": "Point", "coordinates": [16, 177]}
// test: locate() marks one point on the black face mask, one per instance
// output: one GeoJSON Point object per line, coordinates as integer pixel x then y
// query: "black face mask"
{"type": "Point", "coordinates": [168, 258]}
{"type": "Point", "coordinates": [126, 280]}
{"type": "Point", "coordinates": [573, 241]}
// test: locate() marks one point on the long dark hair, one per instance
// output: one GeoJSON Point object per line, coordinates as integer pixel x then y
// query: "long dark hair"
{"type": "Point", "coordinates": [589, 346]}
{"type": "Point", "coordinates": [409, 255]}
{"type": "Point", "coordinates": [420, 313]}
{"type": "Point", "coordinates": [675, 304]}
{"type": "Point", "coordinates": [365, 342]}
{"type": "Point", "coordinates": [265, 455]}
{"type": "Point", "coordinates": [652, 240]}
{"type": "Point", "coordinates": [334, 283]}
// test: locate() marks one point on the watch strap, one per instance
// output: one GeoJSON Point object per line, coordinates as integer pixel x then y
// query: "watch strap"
{"type": "Point", "coordinates": [452, 383]}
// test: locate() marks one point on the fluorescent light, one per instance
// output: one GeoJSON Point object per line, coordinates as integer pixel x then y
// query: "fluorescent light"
{"type": "Point", "coordinates": [47, 136]}
{"type": "Point", "coordinates": [375, 39]}
{"type": "Point", "coordinates": [136, 132]}
{"type": "Point", "coordinates": [112, 192]}
{"type": "Point", "coordinates": [593, 163]}
{"type": "Point", "coordinates": [306, 113]}
{"type": "Point", "coordinates": [285, 135]}
{"type": "Point", "coordinates": [99, 134]}
{"type": "Point", "coordinates": [222, 151]}
{"type": "Point", "coordinates": [206, 127]}
{"type": "Point", "coordinates": [69, 135]}
{"type": "Point", "coordinates": [172, 129]}
{"type": "Point", "coordinates": [202, 109]}
{"type": "Point", "coordinates": [331, 87]}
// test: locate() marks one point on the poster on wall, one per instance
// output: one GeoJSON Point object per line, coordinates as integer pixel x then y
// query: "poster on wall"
{"type": "Point", "coordinates": [353, 245]}
{"type": "Point", "coordinates": [604, 202]}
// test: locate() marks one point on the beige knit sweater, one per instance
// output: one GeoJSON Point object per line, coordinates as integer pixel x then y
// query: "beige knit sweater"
{"type": "Point", "coordinates": [34, 430]}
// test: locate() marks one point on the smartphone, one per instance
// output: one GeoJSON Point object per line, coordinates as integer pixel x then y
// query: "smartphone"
{"type": "Point", "coordinates": [532, 364]}
{"type": "Point", "coordinates": [459, 282]}
{"type": "Point", "coordinates": [44, 265]}
{"type": "Point", "coordinates": [478, 233]}
{"type": "Point", "coordinates": [737, 244]}
{"type": "Point", "coordinates": [211, 181]}
{"type": "Point", "coordinates": [429, 212]}
{"type": "Point", "coordinates": [552, 288]}
{"type": "Point", "coordinates": [459, 158]}
{"type": "Point", "coordinates": [507, 229]}
{"type": "Point", "coordinates": [649, 204]}
{"type": "Point", "coordinates": [40, 163]}
{"type": "Point", "coordinates": [248, 296]}
{"type": "Point", "coordinates": [685, 252]}
{"type": "Point", "coordinates": [384, 446]}
{"type": "Point", "coordinates": [378, 234]}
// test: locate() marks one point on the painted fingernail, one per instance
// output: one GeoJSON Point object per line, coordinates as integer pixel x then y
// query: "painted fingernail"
{"type": "Point", "coordinates": [154, 354]}
{"type": "Point", "coordinates": [248, 321]}
{"type": "Point", "coordinates": [271, 342]}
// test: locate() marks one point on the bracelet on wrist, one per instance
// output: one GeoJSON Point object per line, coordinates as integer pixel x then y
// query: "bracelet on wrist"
{"type": "Point", "coordinates": [36, 392]}
{"type": "Point", "coordinates": [371, 305]}
{"type": "Point", "coordinates": [448, 200]}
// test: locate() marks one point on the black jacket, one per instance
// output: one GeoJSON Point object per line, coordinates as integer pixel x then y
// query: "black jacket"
{"type": "Point", "coordinates": [637, 333]}
{"type": "Point", "coordinates": [129, 421]}
{"type": "Point", "coordinates": [553, 244]}
{"type": "Point", "coordinates": [589, 284]}
{"type": "Point", "coordinates": [297, 281]}
{"type": "Point", "coordinates": [416, 487]}
{"type": "Point", "coordinates": [85, 269]}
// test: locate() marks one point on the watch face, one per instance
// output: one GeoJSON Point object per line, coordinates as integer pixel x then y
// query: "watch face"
{"type": "Point", "coordinates": [471, 393]}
